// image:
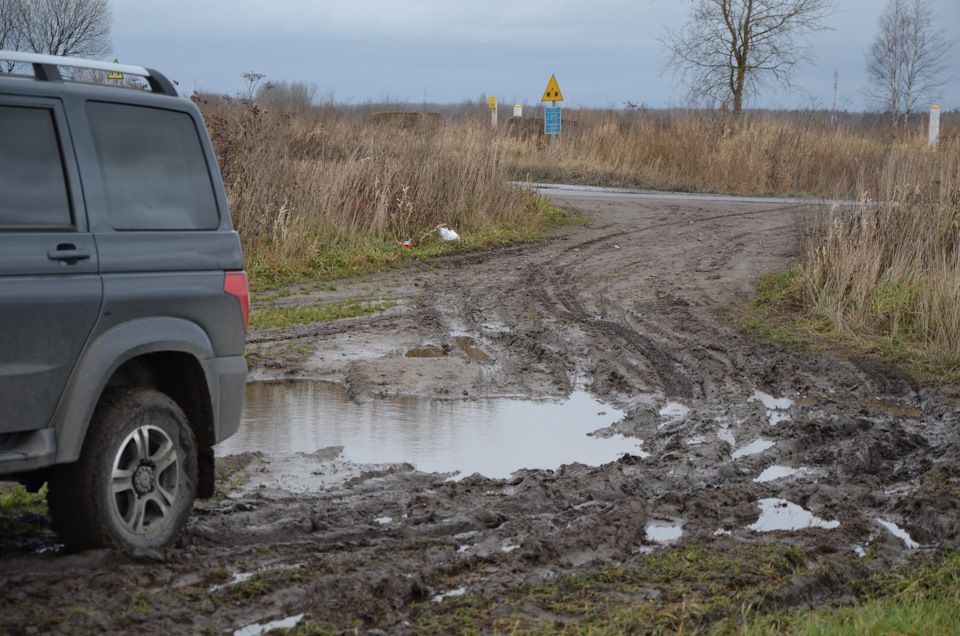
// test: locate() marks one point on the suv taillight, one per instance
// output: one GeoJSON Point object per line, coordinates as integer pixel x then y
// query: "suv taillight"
{"type": "Point", "coordinates": [235, 284]}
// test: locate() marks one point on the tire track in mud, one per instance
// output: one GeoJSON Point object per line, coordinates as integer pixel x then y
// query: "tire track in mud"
{"type": "Point", "coordinates": [675, 361]}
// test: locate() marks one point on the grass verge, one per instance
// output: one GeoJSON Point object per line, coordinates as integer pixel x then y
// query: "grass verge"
{"type": "Point", "coordinates": [700, 590]}
{"type": "Point", "coordinates": [305, 314]}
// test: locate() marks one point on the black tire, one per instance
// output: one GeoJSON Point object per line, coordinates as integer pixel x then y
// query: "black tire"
{"type": "Point", "coordinates": [134, 484]}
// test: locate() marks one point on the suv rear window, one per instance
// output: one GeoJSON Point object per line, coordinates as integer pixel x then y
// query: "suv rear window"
{"type": "Point", "coordinates": [33, 191]}
{"type": "Point", "coordinates": [154, 172]}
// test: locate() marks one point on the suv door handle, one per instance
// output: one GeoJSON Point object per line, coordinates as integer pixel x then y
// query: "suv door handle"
{"type": "Point", "coordinates": [68, 254]}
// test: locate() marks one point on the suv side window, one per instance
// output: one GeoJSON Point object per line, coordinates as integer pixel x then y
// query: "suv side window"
{"type": "Point", "coordinates": [33, 190]}
{"type": "Point", "coordinates": [154, 172]}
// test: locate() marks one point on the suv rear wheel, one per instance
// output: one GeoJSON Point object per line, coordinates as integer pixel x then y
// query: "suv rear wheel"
{"type": "Point", "coordinates": [133, 486]}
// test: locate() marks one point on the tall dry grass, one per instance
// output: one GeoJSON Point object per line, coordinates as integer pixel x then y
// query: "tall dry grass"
{"type": "Point", "coordinates": [762, 154]}
{"type": "Point", "coordinates": [888, 271]}
{"type": "Point", "coordinates": [310, 190]}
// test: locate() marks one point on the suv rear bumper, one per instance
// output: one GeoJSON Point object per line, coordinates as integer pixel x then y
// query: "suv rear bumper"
{"type": "Point", "coordinates": [28, 450]}
{"type": "Point", "coordinates": [232, 374]}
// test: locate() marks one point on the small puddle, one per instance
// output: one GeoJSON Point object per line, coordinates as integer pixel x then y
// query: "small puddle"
{"type": "Point", "coordinates": [460, 591]}
{"type": "Point", "coordinates": [899, 533]}
{"type": "Point", "coordinates": [780, 514]}
{"type": "Point", "coordinates": [774, 401]}
{"type": "Point", "coordinates": [256, 629]}
{"type": "Point", "coordinates": [663, 532]}
{"type": "Point", "coordinates": [493, 437]}
{"type": "Point", "coordinates": [778, 472]}
{"type": "Point", "coordinates": [775, 404]}
{"type": "Point", "coordinates": [428, 351]}
{"type": "Point", "coordinates": [754, 447]}
{"type": "Point", "coordinates": [469, 347]}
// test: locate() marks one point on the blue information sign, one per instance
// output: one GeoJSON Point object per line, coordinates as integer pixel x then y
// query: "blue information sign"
{"type": "Point", "coordinates": [551, 120]}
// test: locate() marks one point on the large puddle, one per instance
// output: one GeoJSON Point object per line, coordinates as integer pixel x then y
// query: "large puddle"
{"type": "Point", "coordinates": [493, 437]}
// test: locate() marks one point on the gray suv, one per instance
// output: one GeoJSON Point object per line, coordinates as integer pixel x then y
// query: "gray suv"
{"type": "Point", "coordinates": [123, 300]}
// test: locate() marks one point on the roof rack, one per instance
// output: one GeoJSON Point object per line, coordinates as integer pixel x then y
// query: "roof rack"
{"type": "Point", "coordinates": [45, 68]}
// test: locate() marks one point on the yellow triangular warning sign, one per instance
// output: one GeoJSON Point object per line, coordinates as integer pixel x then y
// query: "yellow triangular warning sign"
{"type": "Point", "coordinates": [113, 75]}
{"type": "Point", "coordinates": [552, 94]}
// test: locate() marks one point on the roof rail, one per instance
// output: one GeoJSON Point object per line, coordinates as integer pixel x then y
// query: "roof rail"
{"type": "Point", "coordinates": [45, 68]}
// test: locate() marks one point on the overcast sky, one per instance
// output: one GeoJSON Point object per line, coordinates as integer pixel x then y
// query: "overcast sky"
{"type": "Point", "coordinates": [447, 51]}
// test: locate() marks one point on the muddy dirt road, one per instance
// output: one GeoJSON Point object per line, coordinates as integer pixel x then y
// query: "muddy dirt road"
{"type": "Point", "coordinates": [744, 443]}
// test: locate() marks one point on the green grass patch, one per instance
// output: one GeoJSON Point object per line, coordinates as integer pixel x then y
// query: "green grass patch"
{"type": "Point", "coordinates": [15, 499]}
{"type": "Point", "coordinates": [361, 254]}
{"type": "Point", "coordinates": [682, 590]}
{"type": "Point", "coordinates": [920, 598]}
{"type": "Point", "coordinates": [305, 314]}
{"type": "Point", "coordinates": [702, 590]}
{"type": "Point", "coordinates": [756, 326]}
{"type": "Point", "coordinates": [780, 287]}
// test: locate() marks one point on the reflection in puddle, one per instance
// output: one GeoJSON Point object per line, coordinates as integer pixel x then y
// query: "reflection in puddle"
{"type": "Point", "coordinates": [493, 437]}
{"type": "Point", "coordinates": [778, 472]}
{"type": "Point", "coordinates": [460, 591]}
{"type": "Point", "coordinates": [469, 347]}
{"type": "Point", "coordinates": [770, 399]}
{"type": "Point", "coordinates": [774, 402]}
{"type": "Point", "coordinates": [428, 351]}
{"type": "Point", "coordinates": [754, 447]}
{"type": "Point", "coordinates": [780, 514]}
{"type": "Point", "coordinates": [256, 628]}
{"type": "Point", "coordinates": [899, 533]}
{"type": "Point", "coordinates": [664, 533]}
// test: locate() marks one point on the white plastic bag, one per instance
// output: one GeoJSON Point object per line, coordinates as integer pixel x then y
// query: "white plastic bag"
{"type": "Point", "coordinates": [446, 234]}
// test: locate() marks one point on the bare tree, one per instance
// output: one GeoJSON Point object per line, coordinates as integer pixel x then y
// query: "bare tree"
{"type": "Point", "coordinates": [11, 31]}
{"type": "Point", "coordinates": [730, 48]}
{"type": "Point", "coordinates": [77, 28]}
{"type": "Point", "coordinates": [908, 59]}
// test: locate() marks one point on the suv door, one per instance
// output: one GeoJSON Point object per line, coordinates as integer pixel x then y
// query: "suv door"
{"type": "Point", "coordinates": [50, 289]}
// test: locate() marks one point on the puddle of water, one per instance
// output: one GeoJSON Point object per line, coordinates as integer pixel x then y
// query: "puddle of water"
{"type": "Point", "coordinates": [780, 514]}
{"type": "Point", "coordinates": [257, 628]}
{"type": "Point", "coordinates": [770, 399]}
{"type": "Point", "coordinates": [493, 437]}
{"type": "Point", "coordinates": [774, 401]}
{"type": "Point", "coordinates": [460, 591]}
{"type": "Point", "coordinates": [428, 351]}
{"type": "Point", "coordinates": [240, 577]}
{"type": "Point", "coordinates": [897, 408]}
{"type": "Point", "coordinates": [664, 533]}
{"type": "Point", "coordinates": [774, 404]}
{"type": "Point", "coordinates": [726, 435]}
{"type": "Point", "coordinates": [899, 533]}
{"type": "Point", "coordinates": [469, 347]}
{"type": "Point", "coordinates": [754, 447]}
{"type": "Point", "coordinates": [671, 412]}
{"type": "Point", "coordinates": [674, 410]}
{"type": "Point", "coordinates": [778, 472]}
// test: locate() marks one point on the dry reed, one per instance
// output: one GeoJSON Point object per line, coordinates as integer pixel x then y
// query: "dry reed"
{"type": "Point", "coordinates": [888, 271]}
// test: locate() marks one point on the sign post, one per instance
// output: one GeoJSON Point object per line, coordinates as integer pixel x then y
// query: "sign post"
{"type": "Point", "coordinates": [493, 111]}
{"type": "Point", "coordinates": [116, 76]}
{"type": "Point", "coordinates": [552, 119]}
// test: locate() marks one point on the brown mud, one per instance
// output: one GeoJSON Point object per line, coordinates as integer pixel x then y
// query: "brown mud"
{"type": "Point", "coordinates": [740, 436]}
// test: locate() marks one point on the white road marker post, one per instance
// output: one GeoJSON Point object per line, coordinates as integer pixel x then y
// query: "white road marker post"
{"type": "Point", "coordinates": [493, 112]}
{"type": "Point", "coordinates": [934, 139]}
